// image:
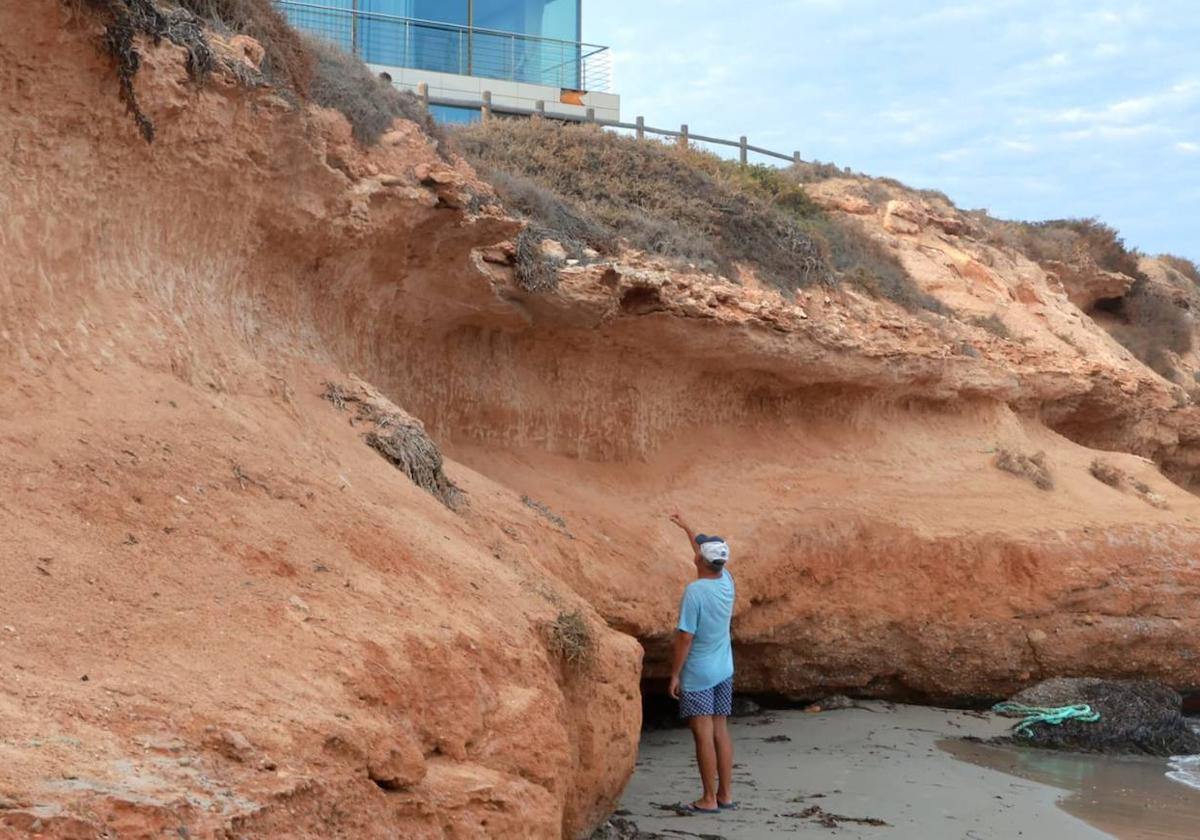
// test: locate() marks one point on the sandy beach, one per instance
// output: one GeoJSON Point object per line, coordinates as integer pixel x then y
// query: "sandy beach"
{"type": "Point", "coordinates": [899, 764]}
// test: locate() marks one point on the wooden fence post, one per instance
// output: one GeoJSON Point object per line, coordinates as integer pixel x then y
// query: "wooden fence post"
{"type": "Point", "coordinates": [641, 128]}
{"type": "Point", "coordinates": [423, 93]}
{"type": "Point", "coordinates": [743, 152]}
{"type": "Point", "coordinates": [683, 136]}
{"type": "Point", "coordinates": [539, 108]}
{"type": "Point", "coordinates": [796, 158]}
{"type": "Point", "coordinates": [591, 115]}
{"type": "Point", "coordinates": [485, 111]}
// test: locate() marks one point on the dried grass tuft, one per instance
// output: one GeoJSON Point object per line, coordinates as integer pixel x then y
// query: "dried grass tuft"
{"type": "Point", "coordinates": [401, 441]}
{"type": "Point", "coordinates": [286, 60]}
{"type": "Point", "coordinates": [535, 270]}
{"type": "Point", "coordinates": [1118, 479]}
{"type": "Point", "coordinates": [1184, 266]}
{"type": "Point", "coordinates": [993, 324]}
{"type": "Point", "coordinates": [413, 452]}
{"type": "Point", "coordinates": [569, 638]}
{"type": "Point", "coordinates": [545, 512]}
{"type": "Point", "coordinates": [1029, 467]}
{"type": "Point", "coordinates": [1106, 473]}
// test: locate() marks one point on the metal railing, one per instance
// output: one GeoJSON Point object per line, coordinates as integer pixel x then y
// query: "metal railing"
{"type": "Point", "coordinates": [449, 48]}
{"type": "Point", "coordinates": [487, 109]}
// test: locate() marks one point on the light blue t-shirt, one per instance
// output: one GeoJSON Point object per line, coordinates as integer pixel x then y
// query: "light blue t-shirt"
{"type": "Point", "coordinates": [705, 612]}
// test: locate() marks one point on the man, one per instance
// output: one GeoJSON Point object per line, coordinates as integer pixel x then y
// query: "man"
{"type": "Point", "coordinates": [702, 672]}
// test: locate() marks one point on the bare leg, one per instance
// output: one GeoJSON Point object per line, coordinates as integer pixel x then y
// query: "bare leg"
{"type": "Point", "coordinates": [706, 757]}
{"type": "Point", "coordinates": [724, 747]}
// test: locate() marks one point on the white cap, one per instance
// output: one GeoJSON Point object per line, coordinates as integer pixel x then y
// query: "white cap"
{"type": "Point", "coordinates": [715, 553]}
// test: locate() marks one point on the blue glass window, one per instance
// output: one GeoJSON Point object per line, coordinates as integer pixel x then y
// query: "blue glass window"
{"type": "Point", "coordinates": [541, 18]}
{"type": "Point", "coordinates": [384, 39]}
{"type": "Point", "coordinates": [451, 114]}
{"type": "Point", "coordinates": [439, 11]}
{"type": "Point", "coordinates": [554, 61]}
{"type": "Point", "coordinates": [533, 41]}
{"type": "Point", "coordinates": [330, 22]}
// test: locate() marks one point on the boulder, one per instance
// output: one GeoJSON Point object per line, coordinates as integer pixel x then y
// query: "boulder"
{"type": "Point", "coordinates": [397, 766]}
{"type": "Point", "coordinates": [904, 217]}
{"type": "Point", "coordinates": [552, 249]}
{"type": "Point", "coordinates": [1086, 283]}
{"type": "Point", "coordinates": [952, 225]}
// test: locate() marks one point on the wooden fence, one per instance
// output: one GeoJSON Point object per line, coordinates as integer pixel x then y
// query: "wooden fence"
{"type": "Point", "coordinates": [683, 134]}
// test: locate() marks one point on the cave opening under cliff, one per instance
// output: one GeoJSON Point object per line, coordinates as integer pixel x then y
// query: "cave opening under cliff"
{"type": "Point", "coordinates": [755, 697]}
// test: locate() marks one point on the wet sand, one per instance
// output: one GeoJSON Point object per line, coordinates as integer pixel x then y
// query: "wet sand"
{"type": "Point", "coordinates": [889, 764]}
{"type": "Point", "coordinates": [1129, 797]}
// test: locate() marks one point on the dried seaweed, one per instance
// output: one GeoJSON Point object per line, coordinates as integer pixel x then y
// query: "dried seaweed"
{"type": "Point", "coordinates": [1136, 716]}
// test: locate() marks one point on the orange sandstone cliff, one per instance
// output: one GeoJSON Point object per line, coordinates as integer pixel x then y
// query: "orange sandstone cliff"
{"type": "Point", "coordinates": [224, 612]}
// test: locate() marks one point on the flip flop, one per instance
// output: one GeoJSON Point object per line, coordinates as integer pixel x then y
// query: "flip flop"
{"type": "Point", "coordinates": [690, 808]}
{"type": "Point", "coordinates": [727, 806]}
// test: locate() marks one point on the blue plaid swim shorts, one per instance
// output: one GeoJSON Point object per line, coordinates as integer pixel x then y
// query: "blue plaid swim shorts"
{"type": "Point", "coordinates": [717, 700]}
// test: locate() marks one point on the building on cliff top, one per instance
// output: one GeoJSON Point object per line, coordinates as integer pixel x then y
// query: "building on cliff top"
{"type": "Point", "coordinates": [524, 52]}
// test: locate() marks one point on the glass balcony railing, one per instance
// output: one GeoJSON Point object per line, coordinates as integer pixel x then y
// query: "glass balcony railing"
{"type": "Point", "coordinates": [448, 48]}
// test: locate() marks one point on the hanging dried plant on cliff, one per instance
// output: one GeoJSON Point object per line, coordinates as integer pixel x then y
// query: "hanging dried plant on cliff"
{"type": "Point", "coordinates": [126, 19]}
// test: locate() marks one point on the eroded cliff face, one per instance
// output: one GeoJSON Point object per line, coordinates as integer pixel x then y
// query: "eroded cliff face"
{"type": "Point", "coordinates": [848, 452]}
{"type": "Point", "coordinates": [225, 612]}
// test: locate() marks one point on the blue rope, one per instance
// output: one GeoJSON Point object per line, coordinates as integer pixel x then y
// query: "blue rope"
{"type": "Point", "coordinates": [1055, 716]}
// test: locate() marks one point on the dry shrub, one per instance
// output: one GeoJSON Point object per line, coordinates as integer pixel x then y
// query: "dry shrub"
{"type": "Point", "coordinates": [812, 171]}
{"type": "Point", "coordinates": [993, 324]}
{"type": "Point", "coordinates": [1030, 467]}
{"type": "Point", "coordinates": [341, 81]}
{"type": "Point", "coordinates": [582, 184]}
{"type": "Point", "coordinates": [535, 270]}
{"type": "Point", "coordinates": [544, 511]}
{"type": "Point", "coordinates": [305, 67]}
{"type": "Point", "coordinates": [930, 196]}
{"type": "Point", "coordinates": [337, 395]}
{"type": "Point", "coordinates": [569, 638]}
{"type": "Point", "coordinates": [768, 183]}
{"type": "Point", "coordinates": [845, 246]}
{"type": "Point", "coordinates": [652, 195]}
{"type": "Point", "coordinates": [1118, 479]}
{"type": "Point", "coordinates": [1150, 324]}
{"type": "Point", "coordinates": [1151, 498]}
{"type": "Point", "coordinates": [413, 452]}
{"type": "Point", "coordinates": [1184, 266]}
{"type": "Point", "coordinates": [401, 441]}
{"type": "Point", "coordinates": [286, 60]}
{"type": "Point", "coordinates": [570, 224]}
{"type": "Point", "coordinates": [126, 19]}
{"type": "Point", "coordinates": [1066, 240]}
{"type": "Point", "coordinates": [1106, 473]}
{"type": "Point", "coordinates": [877, 193]}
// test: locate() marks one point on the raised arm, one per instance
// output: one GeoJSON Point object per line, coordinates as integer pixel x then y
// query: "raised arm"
{"type": "Point", "coordinates": [691, 535]}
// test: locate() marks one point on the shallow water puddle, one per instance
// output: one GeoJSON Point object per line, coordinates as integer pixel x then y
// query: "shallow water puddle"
{"type": "Point", "coordinates": [1130, 798]}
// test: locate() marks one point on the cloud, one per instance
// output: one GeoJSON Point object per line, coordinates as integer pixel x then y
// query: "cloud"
{"type": "Point", "coordinates": [953, 155]}
{"type": "Point", "coordinates": [1179, 94]}
{"type": "Point", "coordinates": [1108, 50]}
{"type": "Point", "coordinates": [1023, 146]}
{"type": "Point", "coordinates": [1187, 147]}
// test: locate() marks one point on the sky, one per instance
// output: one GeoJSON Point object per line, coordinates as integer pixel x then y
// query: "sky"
{"type": "Point", "coordinates": [1031, 109]}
